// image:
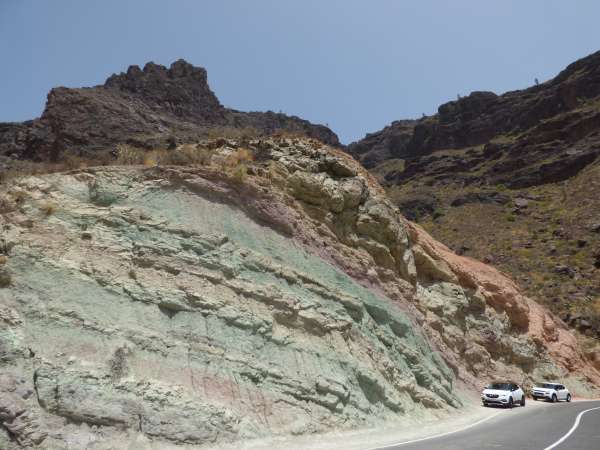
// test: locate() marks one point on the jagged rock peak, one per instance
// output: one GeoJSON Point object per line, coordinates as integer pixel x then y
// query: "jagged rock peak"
{"type": "Point", "coordinates": [180, 69]}
{"type": "Point", "coordinates": [180, 83]}
{"type": "Point", "coordinates": [147, 108]}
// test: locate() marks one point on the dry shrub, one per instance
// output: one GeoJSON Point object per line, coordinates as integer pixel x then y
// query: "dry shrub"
{"type": "Point", "coordinates": [189, 154]}
{"type": "Point", "coordinates": [240, 156]}
{"type": "Point", "coordinates": [237, 164]}
{"type": "Point", "coordinates": [25, 168]}
{"type": "Point", "coordinates": [48, 208]}
{"type": "Point", "coordinates": [185, 155]}
{"type": "Point", "coordinates": [118, 363]}
{"type": "Point", "coordinates": [68, 162]}
{"type": "Point", "coordinates": [151, 159]}
{"type": "Point", "coordinates": [129, 155]}
{"type": "Point", "coordinates": [5, 278]}
{"type": "Point", "coordinates": [240, 173]}
{"type": "Point", "coordinates": [72, 162]}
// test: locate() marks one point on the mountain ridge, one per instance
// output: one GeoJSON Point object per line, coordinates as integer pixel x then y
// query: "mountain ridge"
{"type": "Point", "coordinates": [192, 291]}
{"type": "Point", "coordinates": [518, 171]}
{"type": "Point", "coordinates": [151, 107]}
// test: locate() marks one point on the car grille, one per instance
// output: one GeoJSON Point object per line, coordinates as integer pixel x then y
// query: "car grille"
{"type": "Point", "coordinates": [491, 395]}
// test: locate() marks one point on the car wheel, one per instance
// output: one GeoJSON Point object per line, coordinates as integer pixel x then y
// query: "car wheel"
{"type": "Point", "coordinates": [535, 398]}
{"type": "Point", "coordinates": [568, 397]}
{"type": "Point", "coordinates": [485, 404]}
{"type": "Point", "coordinates": [523, 401]}
{"type": "Point", "coordinates": [554, 399]}
{"type": "Point", "coordinates": [510, 403]}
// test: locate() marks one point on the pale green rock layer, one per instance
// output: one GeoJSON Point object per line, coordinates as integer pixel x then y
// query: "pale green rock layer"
{"type": "Point", "coordinates": [178, 307]}
{"type": "Point", "coordinates": [153, 309]}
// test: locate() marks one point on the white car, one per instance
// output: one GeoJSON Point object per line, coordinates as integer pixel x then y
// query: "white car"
{"type": "Point", "coordinates": [504, 394]}
{"type": "Point", "coordinates": [551, 391]}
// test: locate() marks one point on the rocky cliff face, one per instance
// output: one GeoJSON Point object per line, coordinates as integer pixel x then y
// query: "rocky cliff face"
{"type": "Point", "coordinates": [153, 107]}
{"type": "Point", "coordinates": [546, 133]}
{"type": "Point", "coordinates": [184, 306]}
{"type": "Point", "coordinates": [511, 179]}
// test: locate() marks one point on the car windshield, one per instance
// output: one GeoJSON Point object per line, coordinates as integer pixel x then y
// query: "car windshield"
{"type": "Point", "coordinates": [547, 386]}
{"type": "Point", "coordinates": [499, 386]}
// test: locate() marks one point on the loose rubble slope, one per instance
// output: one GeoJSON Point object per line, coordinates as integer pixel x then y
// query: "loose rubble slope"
{"type": "Point", "coordinates": [159, 307]}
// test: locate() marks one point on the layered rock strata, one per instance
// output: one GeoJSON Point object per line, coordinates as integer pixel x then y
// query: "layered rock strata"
{"type": "Point", "coordinates": [178, 306]}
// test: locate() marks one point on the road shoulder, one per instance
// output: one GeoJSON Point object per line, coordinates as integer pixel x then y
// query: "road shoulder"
{"type": "Point", "coordinates": [411, 428]}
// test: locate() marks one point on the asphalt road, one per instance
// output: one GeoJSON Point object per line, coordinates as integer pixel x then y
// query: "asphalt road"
{"type": "Point", "coordinates": [534, 427]}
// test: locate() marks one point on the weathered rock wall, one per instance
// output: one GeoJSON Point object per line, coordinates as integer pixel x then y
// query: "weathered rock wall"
{"type": "Point", "coordinates": [188, 306]}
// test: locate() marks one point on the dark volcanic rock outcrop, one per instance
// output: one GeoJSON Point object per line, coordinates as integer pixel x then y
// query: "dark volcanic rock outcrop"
{"type": "Point", "coordinates": [385, 144]}
{"type": "Point", "coordinates": [542, 134]}
{"type": "Point", "coordinates": [153, 107]}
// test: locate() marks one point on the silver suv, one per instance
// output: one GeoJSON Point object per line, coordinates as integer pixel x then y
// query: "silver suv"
{"type": "Point", "coordinates": [551, 391]}
{"type": "Point", "coordinates": [503, 394]}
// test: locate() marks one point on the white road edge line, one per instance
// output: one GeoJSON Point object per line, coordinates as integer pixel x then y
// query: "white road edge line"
{"type": "Point", "coordinates": [573, 428]}
{"type": "Point", "coordinates": [437, 435]}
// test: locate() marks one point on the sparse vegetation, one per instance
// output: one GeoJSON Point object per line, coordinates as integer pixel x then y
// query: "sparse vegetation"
{"type": "Point", "coordinates": [20, 169]}
{"type": "Point", "coordinates": [185, 155]}
{"type": "Point", "coordinates": [528, 246]}
{"type": "Point", "coordinates": [238, 157]}
{"type": "Point", "coordinates": [437, 214]}
{"type": "Point", "coordinates": [129, 155]}
{"type": "Point", "coordinates": [5, 278]}
{"type": "Point", "coordinates": [240, 173]}
{"type": "Point", "coordinates": [118, 363]}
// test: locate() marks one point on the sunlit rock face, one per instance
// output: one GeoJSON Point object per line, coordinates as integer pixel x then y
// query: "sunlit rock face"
{"type": "Point", "coordinates": [149, 107]}
{"type": "Point", "coordinates": [178, 306]}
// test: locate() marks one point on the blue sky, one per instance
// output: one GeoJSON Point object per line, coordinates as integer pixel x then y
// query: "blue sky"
{"type": "Point", "coordinates": [354, 65]}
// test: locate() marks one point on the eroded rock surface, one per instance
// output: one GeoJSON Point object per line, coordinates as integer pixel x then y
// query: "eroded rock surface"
{"type": "Point", "coordinates": [179, 307]}
{"type": "Point", "coordinates": [510, 179]}
{"type": "Point", "coordinates": [150, 107]}
{"type": "Point", "coordinates": [543, 134]}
